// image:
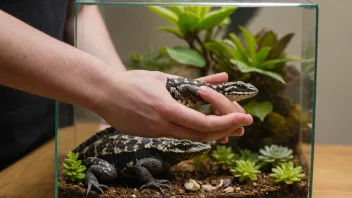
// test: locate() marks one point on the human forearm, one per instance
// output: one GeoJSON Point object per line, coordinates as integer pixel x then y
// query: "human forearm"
{"type": "Point", "coordinates": [34, 62]}
{"type": "Point", "coordinates": [93, 36]}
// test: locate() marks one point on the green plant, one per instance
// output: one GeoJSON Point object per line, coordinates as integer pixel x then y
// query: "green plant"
{"type": "Point", "coordinates": [223, 156]}
{"type": "Point", "coordinates": [188, 24]}
{"type": "Point", "coordinates": [261, 55]}
{"type": "Point", "coordinates": [246, 154]}
{"type": "Point", "coordinates": [275, 154]}
{"type": "Point", "coordinates": [245, 170]}
{"type": "Point", "coordinates": [151, 61]}
{"type": "Point", "coordinates": [72, 168]}
{"type": "Point", "coordinates": [285, 172]}
{"type": "Point", "coordinates": [201, 163]}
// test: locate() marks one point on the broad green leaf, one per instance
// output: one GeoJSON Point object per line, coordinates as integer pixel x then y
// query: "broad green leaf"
{"type": "Point", "coordinates": [215, 18]}
{"type": "Point", "coordinates": [204, 10]}
{"type": "Point", "coordinates": [226, 21]}
{"type": "Point", "coordinates": [171, 30]}
{"type": "Point", "coordinates": [258, 109]}
{"type": "Point", "coordinates": [187, 21]}
{"type": "Point", "coordinates": [244, 68]}
{"type": "Point", "coordinates": [259, 35]}
{"type": "Point", "coordinates": [165, 13]}
{"type": "Point", "coordinates": [261, 56]}
{"type": "Point", "coordinates": [195, 10]}
{"type": "Point", "coordinates": [250, 40]}
{"type": "Point", "coordinates": [177, 9]}
{"type": "Point", "coordinates": [241, 52]}
{"type": "Point", "coordinates": [272, 64]}
{"type": "Point", "coordinates": [221, 47]}
{"type": "Point", "coordinates": [268, 40]}
{"type": "Point", "coordinates": [229, 42]}
{"type": "Point", "coordinates": [186, 56]}
{"type": "Point", "coordinates": [280, 46]}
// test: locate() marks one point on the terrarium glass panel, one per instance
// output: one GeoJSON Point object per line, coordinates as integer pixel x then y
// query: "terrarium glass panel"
{"type": "Point", "coordinates": [270, 44]}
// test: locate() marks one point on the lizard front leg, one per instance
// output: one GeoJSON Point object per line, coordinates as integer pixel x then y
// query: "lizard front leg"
{"type": "Point", "coordinates": [99, 169]}
{"type": "Point", "coordinates": [146, 168]}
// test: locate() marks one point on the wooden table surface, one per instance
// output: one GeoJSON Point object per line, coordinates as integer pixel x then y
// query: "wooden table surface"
{"type": "Point", "coordinates": [33, 176]}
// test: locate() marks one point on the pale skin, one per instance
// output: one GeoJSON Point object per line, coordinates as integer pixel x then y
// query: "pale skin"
{"type": "Point", "coordinates": [93, 77]}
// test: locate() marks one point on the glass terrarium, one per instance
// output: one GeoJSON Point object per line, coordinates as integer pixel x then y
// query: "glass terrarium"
{"type": "Point", "coordinates": [269, 44]}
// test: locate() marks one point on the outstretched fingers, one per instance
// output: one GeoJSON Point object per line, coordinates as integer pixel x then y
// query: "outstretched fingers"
{"type": "Point", "coordinates": [182, 132]}
{"type": "Point", "coordinates": [215, 78]}
{"type": "Point", "coordinates": [193, 119]}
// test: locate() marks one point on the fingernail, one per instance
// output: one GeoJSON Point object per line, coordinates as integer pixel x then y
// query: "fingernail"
{"type": "Point", "coordinates": [202, 89]}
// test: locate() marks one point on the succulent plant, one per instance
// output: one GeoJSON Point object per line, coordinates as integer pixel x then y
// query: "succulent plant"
{"type": "Point", "coordinates": [223, 156]}
{"type": "Point", "coordinates": [245, 170]}
{"type": "Point", "coordinates": [285, 172]}
{"type": "Point", "coordinates": [72, 168]}
{"type": "Point", "coordinates": [246, 154]}
{"type": "Point", "coordinates": [275, 154]}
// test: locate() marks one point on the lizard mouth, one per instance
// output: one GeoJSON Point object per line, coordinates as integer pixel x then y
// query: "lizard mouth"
{"type": "Point", "coordinates": [198, 150]}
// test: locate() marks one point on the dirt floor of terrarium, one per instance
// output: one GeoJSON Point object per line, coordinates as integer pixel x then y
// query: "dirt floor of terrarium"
{"type": "Point", "coordinates": [263, 187]}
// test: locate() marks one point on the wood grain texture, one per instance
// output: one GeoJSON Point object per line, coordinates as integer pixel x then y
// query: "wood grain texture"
{"type": "Point", "coordinates": [33, 175]}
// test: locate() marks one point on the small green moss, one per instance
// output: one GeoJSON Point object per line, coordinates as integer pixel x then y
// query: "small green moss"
{"type": "Point", "coordinates": [275, 123]}
{"type": "Point", "coordinates": [275, 154]}
{"type": "Point", "coordinates": [245, 170]}
{"type": "Point", "coordinates": [285, 172]}
{"type": "Point", "coordinates": [73, 168]}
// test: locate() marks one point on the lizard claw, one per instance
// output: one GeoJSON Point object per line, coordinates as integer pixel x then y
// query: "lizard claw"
{"type": "Point", "coordinates": [156, 185]}
{"type": "Point", "coordinates": [96, 185]}
{"type": "Point", "coordinates": [163, 181]}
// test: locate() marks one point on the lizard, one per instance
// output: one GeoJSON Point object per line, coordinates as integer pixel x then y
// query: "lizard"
{"type": "Point", "coordinates": [110, 153]}
{"type": "Point", "coordinates": [185, 91]}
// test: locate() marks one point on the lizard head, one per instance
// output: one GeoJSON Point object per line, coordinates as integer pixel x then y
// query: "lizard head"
{"type": "Point", "coordinates": [237, 91]}
{"type": "Point", "coordinates": [183, 149]}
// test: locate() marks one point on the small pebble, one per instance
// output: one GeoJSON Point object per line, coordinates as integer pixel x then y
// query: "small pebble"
{"type": "Point", "coordinates": [238, 188]}
{"type": "Point", "coordinates": [255, 184]}
{"type": "Point", "coordinates": [213, 182]}
{"type": "Point", "coordinates": [220, 184]}
{"type": "Point", "coordinates": [133, 195]}
{"type": "Point", "coordinates": [201, 195]}
{"type": "Point", "coordinates": [229, 190]}
{"type": "Point", "coordinates": [208, 187]}
{"type": "Point", "coordinates": [192, 185]}
{"type": "Point", "coordinates": [181, 191]}
{"type": "Point", "coordinates": [173, 197]}
{"type": "Point", "coordinates": [135, 190]}
{"type": "Point", "coordinates": [227, 182]}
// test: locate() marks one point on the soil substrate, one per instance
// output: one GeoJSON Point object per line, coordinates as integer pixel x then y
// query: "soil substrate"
{"type": "Point", "coordinates": [262, 187]}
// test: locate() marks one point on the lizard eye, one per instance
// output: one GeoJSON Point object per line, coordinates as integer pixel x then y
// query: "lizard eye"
{"type": "Point", "coordinates": [185, 146]}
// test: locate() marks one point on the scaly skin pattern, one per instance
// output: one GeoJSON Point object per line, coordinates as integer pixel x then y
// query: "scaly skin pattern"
{"type": "Point", "coordinates": [185, 90]}
{"type": "Point", "coordinates": [109, 154]}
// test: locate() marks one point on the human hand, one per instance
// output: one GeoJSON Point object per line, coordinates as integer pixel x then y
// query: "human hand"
{"type": "Point", "coordinates": [138, 103]}
{"type": "Point", "coordinates": [223, 106]}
